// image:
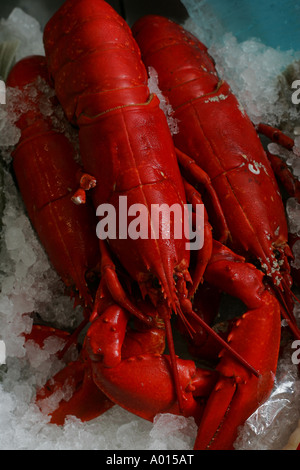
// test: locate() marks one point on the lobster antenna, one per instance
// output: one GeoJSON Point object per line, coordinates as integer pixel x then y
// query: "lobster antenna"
{"type": "Point", "coordinates": [225, 344]}
{"type": "Point", "coordinates": [190, 329]}
{"type": "Point", "coordinates": [292, 293]}
{"type": "Point", "coordinates": [73, 338]}
{"type": "Point", "coordinates": [173, 359]}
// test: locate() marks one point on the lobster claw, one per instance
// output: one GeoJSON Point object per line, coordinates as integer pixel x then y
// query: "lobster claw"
{"type": "Point", "coordinates": [237, 393]}
{"type": "Point", "coordinates": [256, 336]}
{"type": "Point", "coordinates": [144, 385]}
{"type": "Point", "coordinates": [129, 367]}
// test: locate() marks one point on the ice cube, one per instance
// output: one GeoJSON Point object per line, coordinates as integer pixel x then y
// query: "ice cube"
{"type": "Point", "coordinates": [14, 238]}
{"type": "Point", "coordinates": [28, 256]}
{"type": "Point", "coordinates": [25, 29]}
{"type": "Point", "coordinates": [293, 213]}
{"type": "Point", "coordinates": [173, 432]}
{"type": "Point", "coordinates": [296, 252]}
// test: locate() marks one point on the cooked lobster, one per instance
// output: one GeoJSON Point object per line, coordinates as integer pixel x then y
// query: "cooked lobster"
{"type": "Point", "coordinates": [47, 176]}
{"type": "Point", "coordinates": [49, 154]}
{"type": "Point", "coordinates": [218, 136]}
{"type": "Point", "coordinates": [86, 44]}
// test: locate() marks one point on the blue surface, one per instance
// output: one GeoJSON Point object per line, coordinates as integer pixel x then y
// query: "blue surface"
{"type": "Point", "coordinates": [275, 22]}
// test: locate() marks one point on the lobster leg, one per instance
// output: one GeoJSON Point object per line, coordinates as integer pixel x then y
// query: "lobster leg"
{"type": "Point", "coordinates": [204, 254]}
{"type": "Point", "coordinates": [202, 177]}
{"type": "Point", "coordinates": [282, 171]}
{"type": "Point", "coordinates": [276, 135]}
{"type": "Point", "coordinates": [206, 304]}
{"type": "Point", "coordinates": [256, 336]}
{"type": "Point", "coordinates": [108, 272]}
{"type": "Point", "coordinates": [111, 280]}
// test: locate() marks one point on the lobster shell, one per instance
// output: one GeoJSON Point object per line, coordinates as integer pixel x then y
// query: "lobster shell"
{"type": "Point", "coordinates": [216, 132]}
{"type": "Point", "coordinates": [46, 171]}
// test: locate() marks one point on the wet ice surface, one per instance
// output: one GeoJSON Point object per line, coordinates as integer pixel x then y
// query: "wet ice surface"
{"type": "Point", "coordinates": [29, 284]}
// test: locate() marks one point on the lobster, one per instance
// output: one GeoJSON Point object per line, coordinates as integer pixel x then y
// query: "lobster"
{"type": "Point", "coordinates": [48, 154]}
{"type": "Point", "coordinates": [217, 135]}
{"type": "Point", "coordinates": [143, 167]}
{"type": "Point", "coordinates": [126, 148]}
{"type": "Point", "coordinates": [64, 229]}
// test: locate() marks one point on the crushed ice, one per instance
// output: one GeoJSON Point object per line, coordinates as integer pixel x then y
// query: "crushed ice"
{"type": "Point", "coordinates": [24, 31]}
{"type": "Point", "coordinates": [30, 287]}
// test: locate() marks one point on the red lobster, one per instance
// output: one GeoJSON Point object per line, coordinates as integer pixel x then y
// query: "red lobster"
{"type": "Point", "coordinates": [47, 175]}
{"type": "Point", "coordinates": [217, 135]}
{"type": "Point", "coordinates": [49, 155]}
{"type": "Point", "coordinates": [126, 145]}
